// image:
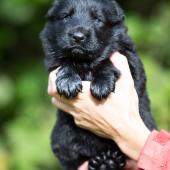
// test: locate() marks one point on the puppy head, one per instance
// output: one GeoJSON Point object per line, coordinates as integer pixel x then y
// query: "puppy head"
{"type": "Point", "coordinates": [81, 28]}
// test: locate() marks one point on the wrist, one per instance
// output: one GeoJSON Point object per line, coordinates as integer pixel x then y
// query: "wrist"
{"type": "Point", "coordinates": [132, 140]}
{"type": "Point", "coordinates": [140, 139]}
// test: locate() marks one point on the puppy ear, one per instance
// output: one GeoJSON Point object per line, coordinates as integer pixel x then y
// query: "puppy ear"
{"type": "Point", "coordinates": [115, 14]}
{"type": "Point", "coordinates": [56, 2]}
{"type": "Point", "coordinates": [118, 11]}
{"type": "Point", "coordinates": [52, 11]}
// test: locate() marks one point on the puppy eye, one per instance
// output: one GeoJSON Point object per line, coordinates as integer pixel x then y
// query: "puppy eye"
{"type": "Point", "coordinates": [66, 16]}
{"type": "Point", "coordinates": [96, 16]}
{"type": "Point", "coordinates": [60, 16]}
{"type": "Point", "coordinates": [99, 20]}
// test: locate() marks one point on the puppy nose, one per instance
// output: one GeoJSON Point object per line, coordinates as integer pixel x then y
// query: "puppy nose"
{"type": "Point", "coordinates": [79, 36]}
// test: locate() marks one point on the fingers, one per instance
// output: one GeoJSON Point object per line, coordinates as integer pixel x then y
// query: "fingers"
{"type": "Point", "coordinates": [86, 86]}
{"type": "Point", "coordinates": [67, 108]}
{"type": "Point", "coordinates": [52, 91]}
{"type": "Point", "coordinates": [84, 166]}
{"type": "Point", "coordinates": [121, 63]}
{"type": "Point", "coordinates": [62, 105]}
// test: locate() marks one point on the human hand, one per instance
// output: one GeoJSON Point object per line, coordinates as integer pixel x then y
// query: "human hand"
{"type": "Point", "coordinates": [116, 118]}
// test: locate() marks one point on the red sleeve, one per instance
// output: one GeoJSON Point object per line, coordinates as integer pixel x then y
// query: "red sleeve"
{"type": "Point", "coordinates": [156, 152]}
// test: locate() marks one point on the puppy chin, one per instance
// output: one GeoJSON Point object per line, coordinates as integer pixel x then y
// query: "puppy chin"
{"type": "Point", "coordinates": [77, 52]}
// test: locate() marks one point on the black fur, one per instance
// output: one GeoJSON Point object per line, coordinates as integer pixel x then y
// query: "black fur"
{"type": "Point", "coordinates": [79, 37]}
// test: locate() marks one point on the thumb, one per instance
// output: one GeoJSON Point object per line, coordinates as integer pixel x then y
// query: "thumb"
{"type": "Point", "coordinates": [84, 166]}
{"type": "Point", "coordinates": [121, 63]}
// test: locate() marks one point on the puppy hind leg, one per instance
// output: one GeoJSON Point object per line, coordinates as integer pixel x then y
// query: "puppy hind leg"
{"type": "Point", "coordinates": [110, 160]}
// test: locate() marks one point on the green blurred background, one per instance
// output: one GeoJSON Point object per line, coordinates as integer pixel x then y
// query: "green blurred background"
{"type": "Point", "coordinates": [26, 114]}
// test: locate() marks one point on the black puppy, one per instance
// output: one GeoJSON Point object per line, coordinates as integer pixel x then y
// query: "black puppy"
{"type": "Point", "coordinates": [79, 38]}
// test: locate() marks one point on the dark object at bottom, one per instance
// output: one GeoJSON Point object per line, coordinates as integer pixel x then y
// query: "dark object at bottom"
{"type": "Point", "coordinates": [110, 160]}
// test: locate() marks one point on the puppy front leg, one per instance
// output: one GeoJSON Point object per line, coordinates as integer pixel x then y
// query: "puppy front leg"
{"type": "Point", "coordinates": [68, 82]}
{"type": "Point", "coordinates": [104, 78]}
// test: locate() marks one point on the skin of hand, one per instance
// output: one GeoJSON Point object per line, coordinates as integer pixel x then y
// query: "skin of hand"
{"type": "Point", "coordinates": [116, 117]}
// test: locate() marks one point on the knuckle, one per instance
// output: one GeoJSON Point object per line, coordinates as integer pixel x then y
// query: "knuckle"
{"type": "Point", "coordinates": [51, 92]}
{"type": "Point", "coordinates": [76, 121]}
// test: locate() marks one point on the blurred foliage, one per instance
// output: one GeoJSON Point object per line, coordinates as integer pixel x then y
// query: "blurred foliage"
{"type": "Point", "coordinates": [26, 114]}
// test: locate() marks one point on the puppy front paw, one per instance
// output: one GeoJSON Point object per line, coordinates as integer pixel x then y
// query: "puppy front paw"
{"type": "Point", "coordinates": [69, 86]}
{"type": "Point", "coordinates": [101, 89]}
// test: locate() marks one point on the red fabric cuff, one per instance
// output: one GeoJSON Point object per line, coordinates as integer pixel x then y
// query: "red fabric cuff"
{"type": "Point", "coordinates": [156, 152]}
